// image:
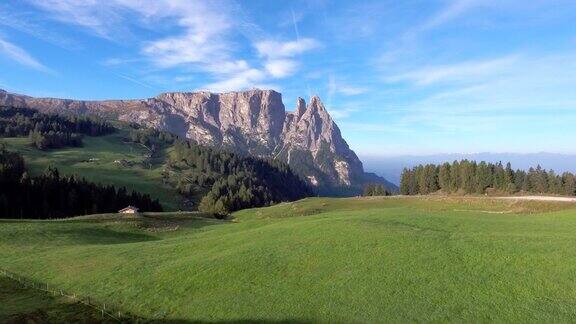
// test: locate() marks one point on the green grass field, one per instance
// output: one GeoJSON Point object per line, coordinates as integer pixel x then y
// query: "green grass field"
{"type": "Point", "coordinates": [317, 260]}
{"type": "Point", "coordinates": [26, 305]}
{"type": "Point", "coordinates": [106, 150]}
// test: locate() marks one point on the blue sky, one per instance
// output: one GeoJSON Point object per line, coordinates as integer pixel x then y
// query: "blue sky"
{"type": "Point", "coordinates": [399, 77]}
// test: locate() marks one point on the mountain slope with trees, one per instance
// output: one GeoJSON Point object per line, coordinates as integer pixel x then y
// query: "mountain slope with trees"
{"type": "Point", "coordinates": [48, 131]}
{"type": "Point", "coordinates": [157, 162]}
{"type": "Point", "coordinates": [227, 181]}
{"type": "Point", "coordinates": [53, 196]}
{"type": "Point", "coordinates": [253, 122]}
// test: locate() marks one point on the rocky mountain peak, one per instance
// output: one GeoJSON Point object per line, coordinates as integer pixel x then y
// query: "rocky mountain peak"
{"type": "Point", "coordinates": [251, 122]}
{"type": "Point", "coordinates": [300, 108]}
{"type": "Point", "coordinates": [316, 104]}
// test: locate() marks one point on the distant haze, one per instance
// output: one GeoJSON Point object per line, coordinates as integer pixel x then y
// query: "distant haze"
{"type": "Point", "coordinates": [391, 167]}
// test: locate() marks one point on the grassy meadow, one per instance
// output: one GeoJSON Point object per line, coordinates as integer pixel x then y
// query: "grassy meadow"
{"type": "Point", "coordinates": [26, 305]}
{"type": "Point", "coordinates": [317, 260]}
{"type": "Point", "coordinates": [104, 150]}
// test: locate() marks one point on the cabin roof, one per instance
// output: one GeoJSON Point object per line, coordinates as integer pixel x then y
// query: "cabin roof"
{"type": "Point", "coordinates": [129, 208]}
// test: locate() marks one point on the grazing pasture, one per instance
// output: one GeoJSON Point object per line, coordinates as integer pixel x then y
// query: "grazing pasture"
{"type": "Point", "coordinates": [104, 159]}
{"type": "Point", "coordinates": [330, 260]}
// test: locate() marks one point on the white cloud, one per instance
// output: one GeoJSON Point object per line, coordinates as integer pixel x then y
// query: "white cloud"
{"type": "Point", "coordinates": [228, 67]}
{"type": "Point", "coordinates": [21, 56]}
{"type": "Point", "coordinates": [342, 113]}
{"type": "Point", "coordinates": [278, 56]}
{"type": "Point", "coordinates": [281, 68]}
{"type": "Point", "coordinates": [275, 49]}
{"type": "Point", "coordinates": [204, 26]}
{"type": "Point", "coordinates": [202, 40]}
{"type": "Point", "coordinates": [251, 78]}
{"type": "Point", "coordinates": [100, 18]}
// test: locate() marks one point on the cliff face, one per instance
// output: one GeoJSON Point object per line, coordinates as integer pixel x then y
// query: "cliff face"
{"type": "Point", "coordinates": [253, 122]}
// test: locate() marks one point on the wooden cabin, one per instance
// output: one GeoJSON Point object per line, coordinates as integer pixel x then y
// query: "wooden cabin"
{"type": "Point", "coordinates": [129, 210]}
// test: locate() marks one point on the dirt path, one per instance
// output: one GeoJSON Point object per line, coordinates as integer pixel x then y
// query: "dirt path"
{"type": "Point", "coordinates": [541, 198]}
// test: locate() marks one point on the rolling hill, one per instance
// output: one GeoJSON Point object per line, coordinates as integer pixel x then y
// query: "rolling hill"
{"type": "Point", "coordinates": [316, 260]}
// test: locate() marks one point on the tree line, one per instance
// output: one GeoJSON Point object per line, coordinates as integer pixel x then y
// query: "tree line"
{"type": "Point", "coordinates": [469, 177]}
{"type": "Point", "coordinates": [375, 189]}
{"type": "Point", "coordinates": [49, 130]}
{"type": "Point", "coordinates": [54, 196]}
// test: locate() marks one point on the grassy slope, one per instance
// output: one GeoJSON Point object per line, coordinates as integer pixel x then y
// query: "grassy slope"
{"type": "Point", "coordinates": [364, 260]}
{"type": "Point", "coordinates": [107, 149]}
{"type": "Point", "coordinates": [26, 305]}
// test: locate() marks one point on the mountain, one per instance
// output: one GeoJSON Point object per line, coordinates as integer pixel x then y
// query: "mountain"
{"type": "Point", "coordinates": [251, 122]}
{"type": "Point", "coordinates": [391, 167]}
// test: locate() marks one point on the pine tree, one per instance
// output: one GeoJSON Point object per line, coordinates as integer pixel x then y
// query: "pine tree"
{"type": "Point", "coordinates": [455, 177]}
{"type": "Point", "coordinates": [568, 184]}
{"type": "Point", "coordinates": [444, 177]}
{"type": "Point", "coordinates": [483, 177]}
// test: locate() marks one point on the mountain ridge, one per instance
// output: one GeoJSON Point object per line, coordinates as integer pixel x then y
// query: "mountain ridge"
{"type": "Point", "coordinates": [253, 122]}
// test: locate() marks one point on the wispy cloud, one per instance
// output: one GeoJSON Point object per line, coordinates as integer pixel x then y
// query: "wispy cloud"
{"type": "Point", "coordinates": [203, 38]}
{"type": "Point", "coordinates": [30, 24]}
{"type": "Point", "coordinates": [338, 86]}
{"type": "Point", "coordinates": [492, 94]}
{"type": "Point", "coordinates": [281, 68]}
{"type": "Point", "coordinates": [98, 17]}
{"type": "Point", "coordinates": [342, 113]}
{"type": "Point", "coordinates": [278, 56]}
{"type": "Point", "coordinates": [276, 49]}
{"type": "Point", "coordinates": [278, 61]}
{"type": "Point", "coordinates": [19, 55]}
{"type": "Point", "coordinates": [241, 80]}
{"type": "Point", "coordinates": [452, 11]}
{"type": "Point", "coordinates": [408, 40]}
{"type": "Point", "coordinates": [456, 72]}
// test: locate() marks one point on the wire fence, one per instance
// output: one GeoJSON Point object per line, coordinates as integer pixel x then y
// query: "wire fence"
{"type": "Point", "coordinates": [105, 310]}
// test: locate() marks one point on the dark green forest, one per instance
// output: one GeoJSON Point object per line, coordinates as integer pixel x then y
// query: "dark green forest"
{"type": "Point", "coordinates": [53, 196]}
{"type": "Point", "coordinates": [226, 181]}
{"type": "Point", "coordinates": [470, 177]}
{"type": "Point", "coordinates": [48, 131]}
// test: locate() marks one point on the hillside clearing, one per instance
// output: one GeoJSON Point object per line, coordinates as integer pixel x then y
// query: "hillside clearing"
{"type": "Point", "coordinates": [97, 160]}
{"type": "Point", "coordinates": [319, 260]}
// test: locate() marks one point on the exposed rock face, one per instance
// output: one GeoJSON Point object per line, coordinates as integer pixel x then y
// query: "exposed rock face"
{"type": "Point", "coordinates": [253, 122]}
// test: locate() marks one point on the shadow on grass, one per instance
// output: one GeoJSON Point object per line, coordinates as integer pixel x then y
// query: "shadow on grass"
{"type": "Point", "coordinates": [104, 236]}
{"type": "Point", "coordinates": [245, 321]}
